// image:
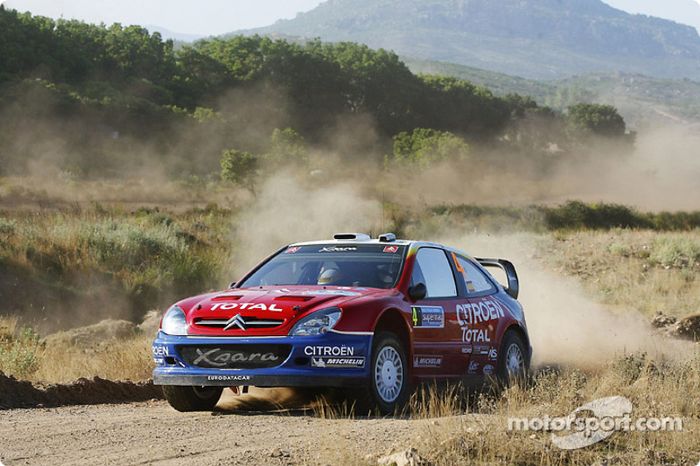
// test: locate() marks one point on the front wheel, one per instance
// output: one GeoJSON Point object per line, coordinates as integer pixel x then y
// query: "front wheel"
{"type": "Point", "coordinates": [388, 388]}
{"type": "Point", "coordinates": [187, 399]}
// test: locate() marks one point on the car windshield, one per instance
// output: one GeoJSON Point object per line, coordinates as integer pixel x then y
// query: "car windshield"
{"type": "Point", "coordinates": [366, 265]}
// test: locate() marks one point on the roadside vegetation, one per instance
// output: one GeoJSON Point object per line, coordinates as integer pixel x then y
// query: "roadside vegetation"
{"type": "Point", "coordinates": [148, 105]}
{"type": "Point", "coordinates": [487, 440]}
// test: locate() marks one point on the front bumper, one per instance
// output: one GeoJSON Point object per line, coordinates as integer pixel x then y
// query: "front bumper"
{"type": "Point", "coordinates": [329, 360]}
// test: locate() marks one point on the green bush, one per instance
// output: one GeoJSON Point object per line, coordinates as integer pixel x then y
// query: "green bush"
{"type": "Point", "coordinates": [681, 252]}
{"type": "Point", "coordinates": [578, 215]}
{"type": "Point", "coordinates": [7, 227]}
{"type": "Point", "coordinates": [427, 146]}
{"type": "Point", "coordinates": [239, 168]}
{"type": "Point", "coordinates": [19, 354]}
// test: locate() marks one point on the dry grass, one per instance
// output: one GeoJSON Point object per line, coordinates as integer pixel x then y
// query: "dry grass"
{"type": "Point", "coordinates": [655, 391]}
{"type": "Point", "coordinates": [56, 360]}
{"type": "Point", "coordinates": [116, 359]}
{"type": "Point", "coordinates": [649, 271]}
{"type": "Point", "coordinates": [66, 269]}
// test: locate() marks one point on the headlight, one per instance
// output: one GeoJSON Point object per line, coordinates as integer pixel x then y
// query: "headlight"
{"type": "Point", "coordinates": [317, 323]}
{"type": "Point", "coordinates": [174, 322]}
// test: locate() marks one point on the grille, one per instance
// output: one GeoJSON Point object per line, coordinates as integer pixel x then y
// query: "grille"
{"type": "Point", "coordinates": [247, 322]}
{"type": "Point", "coordinates": [234, 356]}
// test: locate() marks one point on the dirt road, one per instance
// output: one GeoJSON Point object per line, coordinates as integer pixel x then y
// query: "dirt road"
{"type": "Point", "coordinates": [152, 433]}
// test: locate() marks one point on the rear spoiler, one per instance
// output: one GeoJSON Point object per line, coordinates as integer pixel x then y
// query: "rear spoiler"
{"type": "Point", "coordinates": [513, 283]}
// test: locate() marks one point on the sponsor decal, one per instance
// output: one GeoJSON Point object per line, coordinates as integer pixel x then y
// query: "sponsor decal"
{"type": "Point", "coordinates": [493, 354]}
{"type": "Point", "coordinates": [475, 335]}
{"type": "Point", "coordinates": [292, 250]}
{"type": "Point", "coordinates": [427, 361]}
{"type": "Point", "coordinates": [476, 313]}
{"type": "Point", "coordinates": [481, 349]}
{"type": "Point", "coordinates": [467, 349]}
{"type": "Point", "coordinates": [458, 265]}
{"type": "Point", "coordinates": [391, 249]}
{"type": "Point", "coordinates": [329, 351]}
{"type": "Point", "coordinates": [245, 306]}
{"type": "Point", "coordinates": [485, 311]}
{"type": "Point", "coordinates": [488, 369]}
{"type": "Point", "coordinates": [330, 293]}
{"type": "Point", "coordinates": [228, 378]}
{"type": "Point", "coordinates": [332, 362]}
{"type": "Point", "coordinates": [218, 357]}
{"type": "Point", "coordinates": [160, 351]}
{"type": "Point", "coordinates": [338, 249]}
{"type": "Point", "coordinates": [473, 367]}
{"type": "Point", "coordinates": [428, 317]}
{"type": "Point", "coordinates": [159, 361]}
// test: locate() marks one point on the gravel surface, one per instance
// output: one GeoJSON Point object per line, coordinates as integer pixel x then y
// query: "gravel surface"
{"type": "Point", "coordinates": [151, 433]}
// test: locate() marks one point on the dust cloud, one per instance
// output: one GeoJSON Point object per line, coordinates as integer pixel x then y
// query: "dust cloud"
{"type": "Point", "coordinates": [566, 327]}
{"type": "Point", "coordinates": [289, 210]}
{"type": "Point", "coordinates": [662, 172]}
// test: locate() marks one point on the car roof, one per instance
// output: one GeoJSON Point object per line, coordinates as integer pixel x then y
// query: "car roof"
{"type": "Point", "coordinates": [398, 242]}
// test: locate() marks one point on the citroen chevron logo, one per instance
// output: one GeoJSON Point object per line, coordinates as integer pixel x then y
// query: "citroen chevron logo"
{"type": "Point", "coordinates": [235, 321]}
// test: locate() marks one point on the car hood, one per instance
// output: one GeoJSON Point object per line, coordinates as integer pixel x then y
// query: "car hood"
{"type": "Point", "coordinates": [265, 310]}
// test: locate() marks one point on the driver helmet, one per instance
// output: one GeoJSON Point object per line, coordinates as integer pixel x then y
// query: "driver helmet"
{"type": "Point", "coordinates": [330, 276]}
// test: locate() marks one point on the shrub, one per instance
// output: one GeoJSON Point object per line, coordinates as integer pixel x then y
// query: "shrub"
{"type": "Point", "coordinates": [678, 251]}
{"type": "Point", "coordinates": [239, 168]}
{"type": "Point", "coordinates": [287, 146]}
{"type": "Point", "coordinates": [578, 215]}
{"type": "Point", "coordinates": [7, 227]}
{"type": "Point", "coordinates": [427, 146]}
{"type": "Point", "coordinates": [19, 353]}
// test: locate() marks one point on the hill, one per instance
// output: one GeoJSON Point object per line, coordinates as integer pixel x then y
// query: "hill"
{"type": "Point", "coordinates": [642, 100]}
{"type": "Point", "coordinates": [532, 38]}
{"type": "Point", "coordinates": [681, 11]}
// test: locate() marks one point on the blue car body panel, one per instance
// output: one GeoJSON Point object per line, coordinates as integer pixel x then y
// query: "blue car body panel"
{"type": "Point", "coordinates": [332, 359]}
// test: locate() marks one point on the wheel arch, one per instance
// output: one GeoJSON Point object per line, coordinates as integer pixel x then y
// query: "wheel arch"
{"type": "Point", "coordinates": [518, 330]}
{"type": "Point", "coordinates": [392, 320]}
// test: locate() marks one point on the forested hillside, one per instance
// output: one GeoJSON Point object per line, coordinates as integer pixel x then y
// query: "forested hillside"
{"type": "Point", "coordinates": [94, 100]}
{"type": "Point", "coordinates": [541, 39]}
{"type": "Point", "coordinates": [643, 100]}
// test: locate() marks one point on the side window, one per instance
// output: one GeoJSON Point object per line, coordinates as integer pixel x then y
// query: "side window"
{"type": "Point", "coordinates": [474, 279]}
{"type": "Point", "coordinates": [433, 269]}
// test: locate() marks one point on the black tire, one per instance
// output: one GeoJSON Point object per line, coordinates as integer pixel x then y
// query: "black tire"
{"type": "Point", "coordinates": [376, 398]}
{"type": "Point", "coordinates": [509, 371]}
{"type": "Point", "coordinates": [188, 399]}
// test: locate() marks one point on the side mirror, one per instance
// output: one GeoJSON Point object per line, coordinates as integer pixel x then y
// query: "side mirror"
{"type": "Point", "coordinates": [417, 292]}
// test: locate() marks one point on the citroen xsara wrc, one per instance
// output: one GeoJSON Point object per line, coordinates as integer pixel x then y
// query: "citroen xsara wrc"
{"type": "Point", "coordinates": [379, 315]}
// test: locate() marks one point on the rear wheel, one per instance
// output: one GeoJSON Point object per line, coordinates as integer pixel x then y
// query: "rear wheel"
{"type": "Point", "coordinates": [187, 399]}
{"type": "Point", "coordinates": [512, 361]}
{"type": "Point", "coordinates": [388, 388]}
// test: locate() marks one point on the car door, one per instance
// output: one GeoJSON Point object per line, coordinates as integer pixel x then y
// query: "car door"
{"type": "Point", "coordinates": [478, 316]}
{"type": "Point", "coordinates": [436, 333]}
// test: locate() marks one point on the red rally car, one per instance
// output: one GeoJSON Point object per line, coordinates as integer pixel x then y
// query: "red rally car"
{"type": "Point", "coordinates": [380, 315]}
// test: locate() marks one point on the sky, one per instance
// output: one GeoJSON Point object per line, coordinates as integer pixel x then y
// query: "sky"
{"type": "Point", "coordinates": [196, 17]}
{"type": "Point", "coordinates": [212, 17]}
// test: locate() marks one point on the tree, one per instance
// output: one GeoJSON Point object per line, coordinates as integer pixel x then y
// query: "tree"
{"type": "Point", "coordinates": [427, 146]}
{"type": "Point", "coordinates": [240, 168]}
{"type": "Point", "coordinates": [596, 119]}
{"type": "Point", "coordinates": [287, 147]}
